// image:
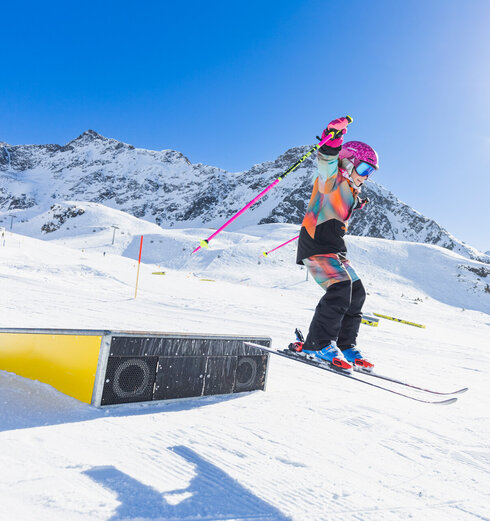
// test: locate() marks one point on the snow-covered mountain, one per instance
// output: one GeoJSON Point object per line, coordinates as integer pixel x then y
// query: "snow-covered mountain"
{"type": "Point", "coordinates": [165, 188]}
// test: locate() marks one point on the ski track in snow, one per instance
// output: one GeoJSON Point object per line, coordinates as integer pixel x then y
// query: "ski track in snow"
{"type": "Point", "coordinates": [312, 447]}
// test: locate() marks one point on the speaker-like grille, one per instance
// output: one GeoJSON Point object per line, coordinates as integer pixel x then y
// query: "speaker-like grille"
{"type": "Point", "coordinates": [250, 374]}
{"type": "Point", "coordinates": [152, 367]}
{"type": "Point", "coordinates": [129, 380]}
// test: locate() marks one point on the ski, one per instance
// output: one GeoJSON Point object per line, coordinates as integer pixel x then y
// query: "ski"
{"type": "Point", "coordinates": [293, 356]}
{"type": "Point", "coordinates": [412, 386]}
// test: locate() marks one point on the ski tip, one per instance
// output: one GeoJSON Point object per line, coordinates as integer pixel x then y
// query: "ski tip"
{"type": "Point", "coordinates": [446, 402]}
{"type": "Point", "coordinates": [461, 391]}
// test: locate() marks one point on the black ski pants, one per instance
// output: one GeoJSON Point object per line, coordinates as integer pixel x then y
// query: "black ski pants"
{"type": "Point", "coordinates": [337, 316]}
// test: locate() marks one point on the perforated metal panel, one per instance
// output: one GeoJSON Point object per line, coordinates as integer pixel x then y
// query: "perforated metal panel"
{"type": "Point", "coordinates": [160, 367]}
{"type": "Point", "coordinates": [104, 367]}
{"type": "Point", "coordinates": [129, 379]}
{"type": "Point", "coordinates": [220, 375]}
{"type": "Point", "coordinates": [180, 377]}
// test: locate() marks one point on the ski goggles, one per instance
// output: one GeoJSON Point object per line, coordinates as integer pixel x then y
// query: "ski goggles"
{"type": "Point", "coordinates": [364, 169]}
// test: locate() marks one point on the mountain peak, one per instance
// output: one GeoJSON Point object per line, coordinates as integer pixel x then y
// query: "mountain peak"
{"type": "Point", "coordinates": [89, 136]}
{"type": "Point", "coordinates": [92, 134]}
{"type": "Point", "coordinates": [4, 144]}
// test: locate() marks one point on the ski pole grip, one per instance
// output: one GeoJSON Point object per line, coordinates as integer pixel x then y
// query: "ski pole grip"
{"type": "Point", "coordinates": [336, 133]}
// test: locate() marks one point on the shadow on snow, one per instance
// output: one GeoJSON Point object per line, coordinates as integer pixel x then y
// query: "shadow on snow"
{"type": "Point", "coordinates": [211, 495]}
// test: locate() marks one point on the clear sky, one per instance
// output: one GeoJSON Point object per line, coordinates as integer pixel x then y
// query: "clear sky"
{"type": "Point", "coordinates": [235, 84]}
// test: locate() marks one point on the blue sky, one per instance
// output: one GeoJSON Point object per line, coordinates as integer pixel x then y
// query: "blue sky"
{"type": "Point", "coordinates": [233, 85]}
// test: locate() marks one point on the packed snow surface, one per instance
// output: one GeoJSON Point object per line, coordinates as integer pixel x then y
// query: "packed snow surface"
{"type": "Point", "coordinates": [314, 446]}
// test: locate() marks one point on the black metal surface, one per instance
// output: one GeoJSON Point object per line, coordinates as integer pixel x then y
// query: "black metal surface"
{"type": "Point", "coordinates": [220, 375]}
{"type": "Point", "coordinates": [129, 380]}
{"type": "Point", "coordinates": [183, 346]}
{"type": "Point", "coordinates": [179, 377]}
{"type": "Point", "coordinates": [158, 367]}
{"type": "Point", "coordinates": [250, 373]}
{"type": "Point", "coordinates": [138, 346]}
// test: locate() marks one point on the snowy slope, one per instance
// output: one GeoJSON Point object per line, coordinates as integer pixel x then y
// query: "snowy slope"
{"type": "Point", "coordinates": [312, 447]}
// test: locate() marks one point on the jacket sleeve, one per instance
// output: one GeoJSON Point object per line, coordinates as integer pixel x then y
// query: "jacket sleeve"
{"type": "Point", "coordinates": [328, 170]}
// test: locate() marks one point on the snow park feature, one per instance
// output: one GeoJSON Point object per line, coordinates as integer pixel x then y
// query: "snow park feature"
{"type": "Point", "coordinates": [111, 367]}
{"type": "Point", "coordinates": [369, 320]}
{"type": "Point", "coordinates": [315, 445]}
{"type": "Point", "coordinates": [67, 360]}
{"type": "Point", "coordinates": [400, 320]}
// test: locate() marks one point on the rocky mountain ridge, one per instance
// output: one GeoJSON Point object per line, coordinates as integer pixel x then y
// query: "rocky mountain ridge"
{"type": "Point", "coordinates": [164, 187]}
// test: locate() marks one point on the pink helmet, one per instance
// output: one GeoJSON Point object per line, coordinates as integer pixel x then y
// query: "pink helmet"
{"type": "Point", "coordinates": [357, 152]}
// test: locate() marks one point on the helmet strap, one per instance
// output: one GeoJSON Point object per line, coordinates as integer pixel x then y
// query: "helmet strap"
{"type": "Point", "coordinates": [347, 165]}
{"type": "Point", "coordinates": [346, 168]}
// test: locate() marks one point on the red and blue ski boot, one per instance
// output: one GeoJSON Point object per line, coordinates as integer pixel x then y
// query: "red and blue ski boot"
{"type": "Point", "coordinates": [330, 354]}
{"type": "Point", "coordinates": [354, 356]}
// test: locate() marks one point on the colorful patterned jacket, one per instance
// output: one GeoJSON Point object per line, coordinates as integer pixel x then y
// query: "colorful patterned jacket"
{"type": "Point", "coordinates": [332, 202]}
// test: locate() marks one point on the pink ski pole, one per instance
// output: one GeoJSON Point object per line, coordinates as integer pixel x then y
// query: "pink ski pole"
{"type": "Point", "coordinates": [265, 253]}
{"type": "Point", "coordinates": [205, 242]}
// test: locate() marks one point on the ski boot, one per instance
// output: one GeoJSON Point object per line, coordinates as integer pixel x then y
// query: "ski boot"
{"type": "Point", "coordinates": [332, 355]}
{"type": "Point", "coordinates": [329, 354]}
{"type": "Point", "coordinates": [354, 356]}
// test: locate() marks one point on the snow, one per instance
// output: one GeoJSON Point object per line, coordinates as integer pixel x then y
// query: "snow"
{"type": "Point", "coordinates": [314, 446]}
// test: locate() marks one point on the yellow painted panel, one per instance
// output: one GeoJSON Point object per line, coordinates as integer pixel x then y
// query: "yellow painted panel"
{"type": "Point", "coordinates": [67, 362]}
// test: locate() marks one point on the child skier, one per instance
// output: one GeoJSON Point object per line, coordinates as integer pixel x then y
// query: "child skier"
{"type": "Point", "coordinates": [342, 169]}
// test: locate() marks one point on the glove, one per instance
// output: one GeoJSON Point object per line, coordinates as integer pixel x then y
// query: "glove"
{"type": "Point", "coordinates": [339, 127]}
{"type": "Point", "coordinates": [361, 203]}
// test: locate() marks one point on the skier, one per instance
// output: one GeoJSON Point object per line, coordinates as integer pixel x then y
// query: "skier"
{"type": "Point", "coordinates": [342, 169]}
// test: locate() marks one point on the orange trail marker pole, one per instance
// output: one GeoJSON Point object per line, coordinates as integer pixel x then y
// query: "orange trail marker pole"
{"type": "Point", "coordinates": [139, 263]}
